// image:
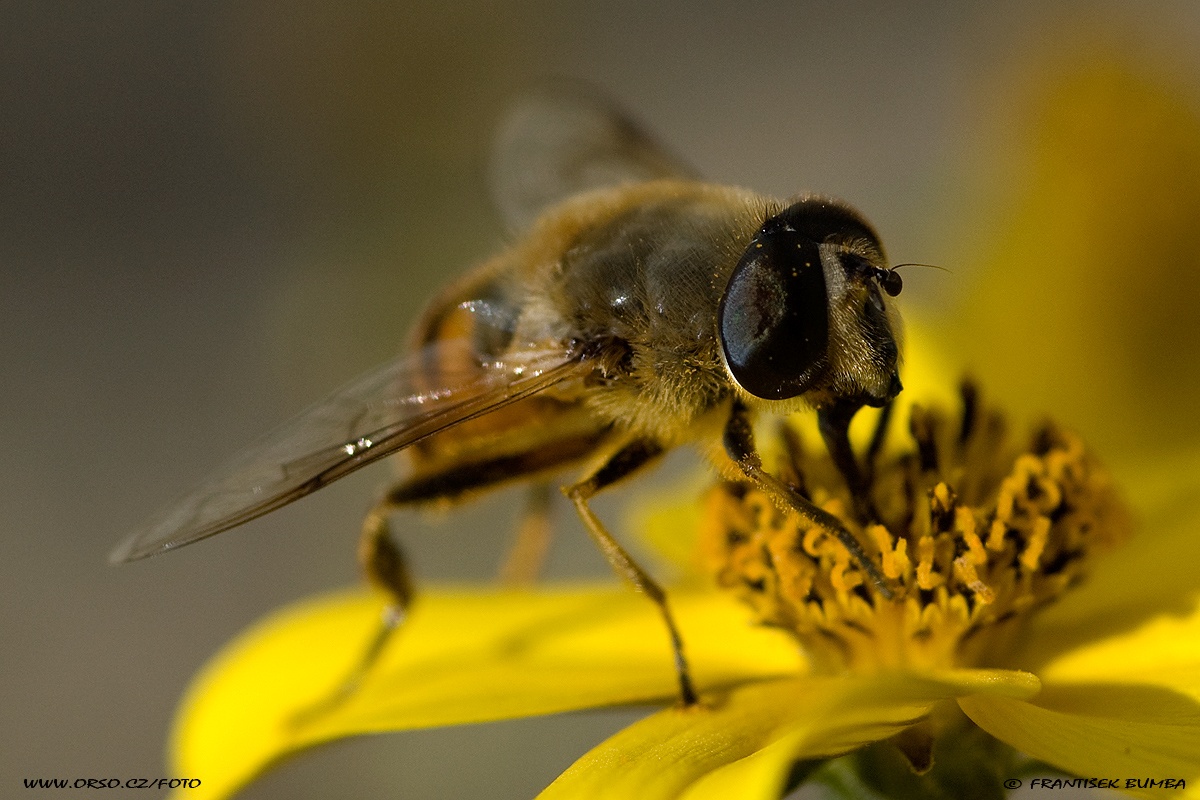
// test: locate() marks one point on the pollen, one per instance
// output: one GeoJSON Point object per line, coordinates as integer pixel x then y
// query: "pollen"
{"type": "Point", "coordinates": [973, 530]}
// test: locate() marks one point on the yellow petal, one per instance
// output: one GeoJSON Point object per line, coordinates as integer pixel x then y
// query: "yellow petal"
{"type": "Point", "coordinates": [1152, 575]}
{"type": "Point", "coordinates": [462, 657]}
{"type": "Point", "coordinates": [742, 743]}
{"type": "Point", "coordinates": [1101, 731]}
{"type": "Point", "coordinates": [1163, 653]}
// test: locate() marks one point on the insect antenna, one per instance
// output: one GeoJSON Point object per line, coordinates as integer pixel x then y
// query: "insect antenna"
{"type": "Point", "coordinates": [915, 264]}
{"type": "Point", "coordinates": [889, 279]}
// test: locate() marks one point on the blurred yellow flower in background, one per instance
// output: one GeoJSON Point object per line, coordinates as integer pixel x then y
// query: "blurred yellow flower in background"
{"type": "Point", "coordinates": [1085, 254]}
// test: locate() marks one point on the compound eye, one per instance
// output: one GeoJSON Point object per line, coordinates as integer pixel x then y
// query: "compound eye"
{"type": "Point", "coordinates": [774, 318]}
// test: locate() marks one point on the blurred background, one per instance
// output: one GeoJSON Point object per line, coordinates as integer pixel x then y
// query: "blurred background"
{"type": "Point", "coordinates": [212, 214]}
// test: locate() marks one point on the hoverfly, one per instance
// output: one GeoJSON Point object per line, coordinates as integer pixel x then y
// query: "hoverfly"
{"type": "Point", "coordinates": [641, 309]}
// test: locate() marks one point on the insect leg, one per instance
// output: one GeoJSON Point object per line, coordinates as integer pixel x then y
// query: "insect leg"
{"type": "Point", "coordinates": [871, 458]}
{"type": "Point", "coordinates": [834, 423]}
{"type": "Point", "coordinates": [627, 460]}
{"type": "Point", "coordinates": [739, 445]}
{"type": "Point", "coordinates": [527, 555]}
{"type": "Point", "coordinates": [383, 563]}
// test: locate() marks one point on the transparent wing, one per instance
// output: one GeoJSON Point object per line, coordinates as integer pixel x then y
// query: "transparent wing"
{"type": "Point", "coordinates": [566, 139]}
{"type": "Point", "coordinates": [374, 416]}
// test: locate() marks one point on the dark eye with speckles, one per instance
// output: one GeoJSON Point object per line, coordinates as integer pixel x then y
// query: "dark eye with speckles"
{"type": "Point", "coordinates": [774, 318]}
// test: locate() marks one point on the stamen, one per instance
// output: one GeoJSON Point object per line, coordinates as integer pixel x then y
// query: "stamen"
{"type": "Point", "coordinates": [974, 535]}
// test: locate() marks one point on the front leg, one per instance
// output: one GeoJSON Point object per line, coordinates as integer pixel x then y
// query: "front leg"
{"type": "Point", "coordinates": [834, 424]}
{"type": "Point", "coordinates": [739, 445]}
{"type": "Point", "coordinates": [626, 461]}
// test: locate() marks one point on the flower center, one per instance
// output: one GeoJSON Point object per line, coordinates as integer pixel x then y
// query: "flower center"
{"type": "Point", "coordinates": [973, 534]}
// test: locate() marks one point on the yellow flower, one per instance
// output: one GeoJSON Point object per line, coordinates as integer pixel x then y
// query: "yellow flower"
{"type": "Point", "coordinates": [1105, 683]}
{"type": "Point", "coordinates": [1006, 634]}
{"type": "Point", "coordinates": [1076, 266]}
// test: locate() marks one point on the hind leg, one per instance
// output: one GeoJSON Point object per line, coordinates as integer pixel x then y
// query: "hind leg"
{"type": "Point", "coordinates": [384, 566]}
{"type": "Point", "coordinates": [383, 562]}
{"type": "Point", "coordinates": [527, 555]}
